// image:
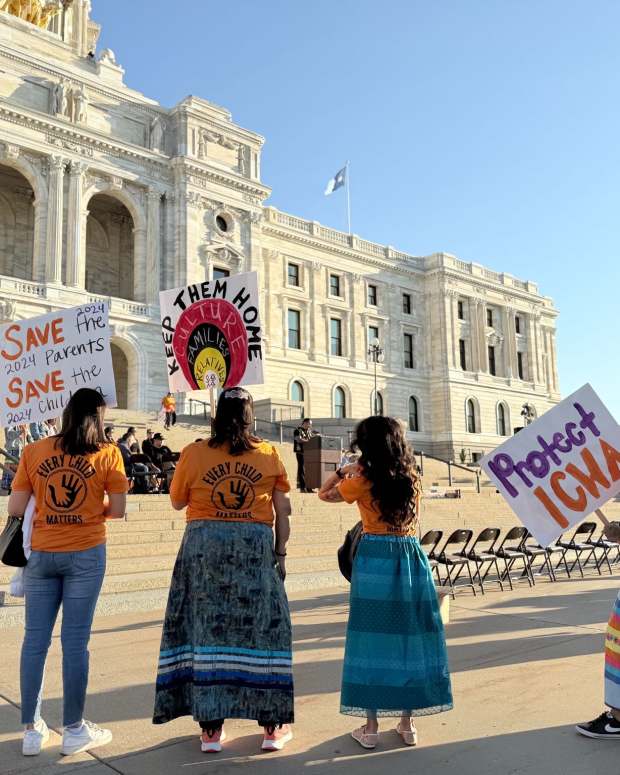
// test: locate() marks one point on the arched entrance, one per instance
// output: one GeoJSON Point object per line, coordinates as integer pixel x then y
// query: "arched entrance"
{"type": "Point", "coordinates": [121, 376]}
{"type": "Point", "coordinates": [16, 224]}
{"type": "Point", "coordinates": [109, 248]}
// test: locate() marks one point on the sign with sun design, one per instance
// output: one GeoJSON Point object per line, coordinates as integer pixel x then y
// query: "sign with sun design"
{"type": "Point", "coordinates": [212, 334]}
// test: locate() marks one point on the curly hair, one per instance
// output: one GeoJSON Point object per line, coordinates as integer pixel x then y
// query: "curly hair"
{"type": "Point", "coordinates": [388, 463]}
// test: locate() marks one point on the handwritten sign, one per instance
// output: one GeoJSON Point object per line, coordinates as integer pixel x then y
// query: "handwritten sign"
{"type": "Point", "coordinates": [212, 334]}
{"type": "Point", "coordinates": [44, 360]}
{"type": "Point", "coordinates": [561, 468]}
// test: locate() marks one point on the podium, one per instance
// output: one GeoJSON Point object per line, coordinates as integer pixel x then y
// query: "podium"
{"type": "Point", "coordinates": [321, 457]}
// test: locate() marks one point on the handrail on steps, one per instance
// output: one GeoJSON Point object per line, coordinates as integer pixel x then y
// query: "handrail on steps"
{"type": "Point", "coordinates": [450, 465]}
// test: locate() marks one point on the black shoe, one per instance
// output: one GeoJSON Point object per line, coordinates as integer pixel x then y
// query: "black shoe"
{"type": "Point", "coordinates": [605, 727]}
{"type": "Point", "coordinates": [310, 490]}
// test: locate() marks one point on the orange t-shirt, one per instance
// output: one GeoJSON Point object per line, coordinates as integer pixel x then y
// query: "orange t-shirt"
{"type": "Point", "coordinates": [68, 491]}
{"type": "Point", "coordinates": [169, 403]}
{"type": "Point", "coordinates": [218, 485]}
{"type": "Point", "coordinates": [357, 490]}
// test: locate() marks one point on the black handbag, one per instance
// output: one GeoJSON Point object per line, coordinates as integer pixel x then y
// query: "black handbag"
{"type": "Point", "coordinates": [12, 543]}
{"type": "Point", "coordinates": [348, 550]}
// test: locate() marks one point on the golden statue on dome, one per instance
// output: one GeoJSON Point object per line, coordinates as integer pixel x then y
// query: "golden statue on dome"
{"type": "Point", "coordinates": [37, 12]}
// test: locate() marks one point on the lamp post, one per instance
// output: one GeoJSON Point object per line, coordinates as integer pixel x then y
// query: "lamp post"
{"type": "Point", "coordinates": [375, 351]}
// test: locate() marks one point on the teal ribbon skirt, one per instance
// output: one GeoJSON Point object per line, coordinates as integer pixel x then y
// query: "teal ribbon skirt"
{"type": "Point", "coordinates": [395, 655]}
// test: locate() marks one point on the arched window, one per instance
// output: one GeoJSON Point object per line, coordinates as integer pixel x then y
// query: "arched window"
{"type": "Point", "coordinates": [297, 392]}
{"type": "Point", "coordinates": [340, 403]}
{"type": "Point", "coordinates": [376, 407]}
{"type": "Point", "coordinates": [502, 421]}
{"type": "Point", "coordinates": [414, 421]}
{"type": "Point", "coordinates": [470, 410]}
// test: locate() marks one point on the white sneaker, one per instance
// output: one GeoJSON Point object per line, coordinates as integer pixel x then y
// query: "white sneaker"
{"type": "Point", "coordinates": [84, 738]}
{"type": "Point", "coordinates": [35, 739]}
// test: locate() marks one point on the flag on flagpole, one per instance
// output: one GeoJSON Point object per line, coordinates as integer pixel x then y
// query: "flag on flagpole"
{"type": "Point", "coordinates": [338, 181]}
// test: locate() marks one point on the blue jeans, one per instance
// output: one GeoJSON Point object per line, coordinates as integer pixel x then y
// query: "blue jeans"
{"type": "Point", "coordinates": [51, 578]}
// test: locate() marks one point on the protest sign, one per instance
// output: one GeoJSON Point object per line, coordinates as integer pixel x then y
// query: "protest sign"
{"type": "Point", "coordinates": [562, 467]}
{"type": "Point", "coordinates": [44, 360]}
{"type": "Point", "coordinates": [212, 334]}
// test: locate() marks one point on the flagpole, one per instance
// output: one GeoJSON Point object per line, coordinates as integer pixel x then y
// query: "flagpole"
{"type": "Point", "coordinates": [348, 198]}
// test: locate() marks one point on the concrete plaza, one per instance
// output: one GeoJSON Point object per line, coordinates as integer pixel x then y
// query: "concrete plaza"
{"type": "Point", "coordinates": [526, 667]}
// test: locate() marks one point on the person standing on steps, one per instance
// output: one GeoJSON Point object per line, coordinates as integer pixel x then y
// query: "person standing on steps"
{"type": "Point", "coordinates": [169, 407]}
{"type": "Point", "coordinates": [226, 648]}
{"type": "Point", "coordinates": [395, 662]}
{"type": "Point", "coordinates": [78, 481]}
{"type": "Point", "coordinates": [301, 437]}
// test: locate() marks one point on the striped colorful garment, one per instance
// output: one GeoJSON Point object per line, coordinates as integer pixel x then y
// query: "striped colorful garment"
{"type": "Point", "coordinates": [612, 658]}
{"type": "Point", "coordinates": [395, 654]}
{"type": "Point", "coordinates": [226, 649]}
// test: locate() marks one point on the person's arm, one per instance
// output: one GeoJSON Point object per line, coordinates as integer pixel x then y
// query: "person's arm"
{"type": "Point", "coordinates": [18, 502]}
{"type": "Point", "coordinates": [330, 491]}
{"type": "Point", "coordinates": [282, 508]}
{"type": "Point", "coordinates": [21, 487]}
{"type": "Point", "coordinates": [179, 487]}
{"type": "Point", "coordinates": [115, 505]}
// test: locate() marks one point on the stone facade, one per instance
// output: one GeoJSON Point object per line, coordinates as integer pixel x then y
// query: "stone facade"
{"type": "Point", "coordinates": [104, 193]}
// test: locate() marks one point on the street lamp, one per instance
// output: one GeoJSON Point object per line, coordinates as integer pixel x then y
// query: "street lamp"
{"type": "Point", "coordinates": [375, 351]}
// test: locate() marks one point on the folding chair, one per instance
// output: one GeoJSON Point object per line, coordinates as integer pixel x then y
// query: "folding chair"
{"type": "Point", "coordinates": [606, 546]}
{"type": "Point", "coordinates": [579, 547]}
{"type": "Point", "coordinates": [431, 539]}
{"type": "Point", "coordinates": [480, 555]}
{"type": "Point", "coordinates": [533, 550]}
{"type": "Point", "coordinates": [456, 559]}
{"type": "Point", "coordinates": [510, 552]}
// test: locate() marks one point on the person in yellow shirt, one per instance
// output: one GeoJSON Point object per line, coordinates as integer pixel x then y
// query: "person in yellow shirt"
{"type": "Point", "coordinates": [169, 405]}
{"type": "Point", "coordinates": [226, 648]}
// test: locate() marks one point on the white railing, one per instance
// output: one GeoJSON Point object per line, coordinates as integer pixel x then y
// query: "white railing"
{"type": "Point", "coordinates": [491, 275]}
{"type": "Point", "coordinates": [520, 284]}
{"type": "Point", "coordinates": [463, 265]}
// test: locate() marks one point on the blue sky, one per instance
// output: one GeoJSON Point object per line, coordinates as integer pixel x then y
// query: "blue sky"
{"type": "Point", "coordinates": [484, 128]}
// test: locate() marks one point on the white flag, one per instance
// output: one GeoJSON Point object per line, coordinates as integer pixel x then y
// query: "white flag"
{"type": "Point", "coordinates": [336, 182]}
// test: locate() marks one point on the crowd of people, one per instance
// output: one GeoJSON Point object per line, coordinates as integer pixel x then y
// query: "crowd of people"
{"type": "Point", "coordinates": [226, 645]}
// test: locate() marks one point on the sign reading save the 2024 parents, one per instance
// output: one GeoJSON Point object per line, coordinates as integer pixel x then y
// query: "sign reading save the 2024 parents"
{"type": "Point", "coordinates": [562, 467]}
{"type": "Point", "coordinates": [44, 360]}
{"type": "Point", "coordinates": [212, 334]}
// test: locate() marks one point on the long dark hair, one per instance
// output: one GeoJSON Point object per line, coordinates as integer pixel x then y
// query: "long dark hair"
{"type": "Point", "coordinates": [233, 422]}
{"type": "Point", "coordinates": [82, 423]}
{"type": "Point", "coordinates": [388, 463]}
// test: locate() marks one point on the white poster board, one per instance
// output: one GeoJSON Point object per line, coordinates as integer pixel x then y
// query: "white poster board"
{"type": "Point", "coordinates": [212, 334]}
{"type": "Point", "coordinates": [44, 360]}
{"type": "Point", "coordinates": [561, 468]}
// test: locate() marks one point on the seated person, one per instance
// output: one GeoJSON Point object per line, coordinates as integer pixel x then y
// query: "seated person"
{"type": "Point", "coordinates": [142, 463]}
{"type": "Point", "coordinates": [164, 458]}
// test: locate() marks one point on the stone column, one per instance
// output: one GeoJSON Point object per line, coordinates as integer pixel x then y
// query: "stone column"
{"type": "Point", "coordinates": [554, 362]}
{"type": "Point", "coordinates": [40, 240]}
{"type": "Point", "coordinates": [153, 252]}
{"type": "Point", "coordinates": [454, 314]}
{"type": "Point", "coordinates": [313, 310]}
{"type": "Point", "coordinates": [76, 224]}
{"type": "Point", "coordinates": [509, 335]}
{"type": "Point", "coordinates": [139, 263]}
{"type": "Point", "coordinates": [354, 348]}
{"type": "Point", "coordinates": [55, 220]}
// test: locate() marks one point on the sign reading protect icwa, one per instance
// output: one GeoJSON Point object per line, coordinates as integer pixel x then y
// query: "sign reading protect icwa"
{"type": "Point", "coordinates": [44, 360]}
{"type": "Point", "coordinates": [212, 334]}
{"type": "Point", "coordinates": [560, 469]}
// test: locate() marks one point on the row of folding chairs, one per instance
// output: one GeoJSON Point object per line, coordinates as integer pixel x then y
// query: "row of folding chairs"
{"type": "Point", "coordinates": [460, 553]}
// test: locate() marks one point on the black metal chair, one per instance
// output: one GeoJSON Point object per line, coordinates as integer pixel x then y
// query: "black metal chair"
{"type": "Point", "coordinates": [452, 558]}
{"type": "Point", "coordinates": [534, 550]}
{"type": "Point", "coordinates": [578, 543]}
{"type": "Point", "coordinates": [481, 555]}
{"type": "Point", "coordinates": [429, 543]}
{"type": "Point", "coordinates": [606, 546]}
{"type": "Point", "coordinates": [511, 553]}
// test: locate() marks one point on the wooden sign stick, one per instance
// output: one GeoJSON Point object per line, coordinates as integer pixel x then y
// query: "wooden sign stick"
{"type": "Point", "coordinates": [212, 408]}
{"type": "Point", "coordinates": [602, 517]}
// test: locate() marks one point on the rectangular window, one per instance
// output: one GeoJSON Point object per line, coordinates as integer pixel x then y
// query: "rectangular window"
{"type": "Point", "coordinates": [373, 333]}
{"type": "Point", "coordinates": [518, 324]}
{"type": "Point", "coordinates": [460, 310]}
{"type": "Point", "coordinates": [219, 273]}
{"type": "Point", "coordinates": [462, 354]}
{"type": "Point", "coordinates": [408, 350]}
{"type": "Point", "coordinates": [492, 369]}
{"type": "Point", "coordinates": [293, 274]}
{"type": "Point", "coordinates": [334, 285]}
{"type": "Point", "coordinates": [520, 369]}
{"type": "Point", "coordinates": [490, 318]}
{"type": "Point", "coordinates": [407, 303]}
{"type": "Point", "coordinates": [335, 336]}
{"type": "Point", "coordinates": [294, 329]}
{"type": "Point", "coordinates": [372, 295]}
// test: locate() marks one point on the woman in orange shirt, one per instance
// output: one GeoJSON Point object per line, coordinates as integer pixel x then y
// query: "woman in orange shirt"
{"type": "Point", "coordinates": [395, 662]}
{"type": "Point", "coordinates": [226, 643]}
{"type": "Point", "coordinates": [78, 481]}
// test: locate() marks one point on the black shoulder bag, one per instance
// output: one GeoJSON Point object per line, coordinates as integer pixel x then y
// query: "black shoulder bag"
{"type": "Point", "coordinates": [348, 550]}
{"type": "Point", "coordinates": [12, 543]}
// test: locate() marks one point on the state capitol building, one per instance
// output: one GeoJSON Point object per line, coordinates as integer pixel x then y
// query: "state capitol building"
{"type": "Point", "coordinates": [104, 193]}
